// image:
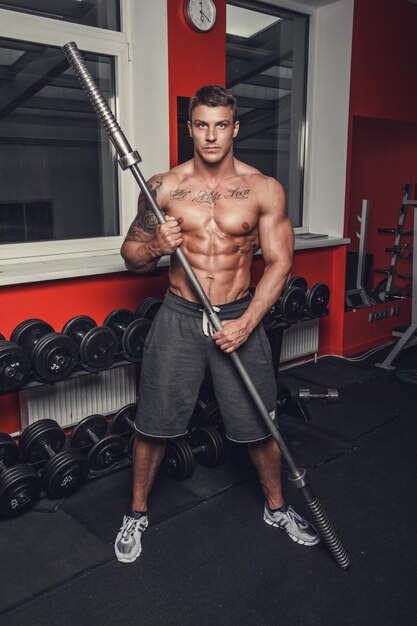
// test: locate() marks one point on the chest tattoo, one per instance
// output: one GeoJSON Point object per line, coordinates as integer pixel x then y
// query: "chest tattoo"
{"type": "Point", "coordinates": [240, 250]}
{"type": "Point", "coordinates": [238, 193]}
{"type": "Point", "coordinates": [179, 194]}
{"type": "Point", "coordinates": [210, 197]}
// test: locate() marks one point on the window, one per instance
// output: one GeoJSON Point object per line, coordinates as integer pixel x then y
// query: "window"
{"type": "Point", "coordinates": [59, 179]}
{"type": "Point", "coordinates": [266, 69]}
{"type": "Point", "coordinates": [99, 13]}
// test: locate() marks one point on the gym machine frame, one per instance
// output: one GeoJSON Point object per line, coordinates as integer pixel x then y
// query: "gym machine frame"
{"type": "Point", "coordinates": [409, 334]}
{"type": "Point", "coordinates": [129, 159]}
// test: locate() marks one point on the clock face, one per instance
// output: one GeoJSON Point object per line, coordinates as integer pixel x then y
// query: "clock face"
{"type": "Point", "coordinates": [200, 14]}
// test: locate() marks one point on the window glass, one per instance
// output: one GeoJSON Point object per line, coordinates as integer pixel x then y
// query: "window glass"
{"type": "Point", "coordinates": [266, 69]}
{"type": "Point", "coordinates": [58, 175]}
{"type": "Point", "coordinates": [99, 13]}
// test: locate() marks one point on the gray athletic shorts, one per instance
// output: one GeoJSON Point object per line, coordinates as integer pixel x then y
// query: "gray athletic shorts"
{"type": "Point", "coordinates": [176, 355]}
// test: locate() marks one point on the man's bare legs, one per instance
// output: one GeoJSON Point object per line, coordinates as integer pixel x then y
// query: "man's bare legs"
{"type": "Point", "coordinates": [148, 453]}
{"type": "Point", "coordinates": [266, 457]}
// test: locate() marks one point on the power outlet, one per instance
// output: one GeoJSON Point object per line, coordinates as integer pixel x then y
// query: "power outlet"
{"type": "Point", "coordinates": [378, 315]}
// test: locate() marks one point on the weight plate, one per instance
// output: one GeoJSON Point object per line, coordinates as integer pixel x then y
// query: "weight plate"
{"type": "Point", "coordinates": [206, 413]}
{"type": "Point", "coordinates": [77, 326]}
{"type": "Point", "coordinates": [27, 333]}
{"type": "Point", "coordinates": [98, 348]}
{"type": "Point", "coordinates": [54, 357]}
{"type": "Point", "coordinates": [118, 321]}
{"type": "Point", "coordinates": [131, 445]}
{"type": "Point", "coordinates": [9, 451]}
{"type": "Point", "coordinates": [148, 308]}
{"type": "Point", "coordinates": [38, 437]}
{"type": "Point", "coordinates": [106, 453]}
{"type": "Point", "coordinates": [268, 319]}
{"type": "Point", "coordinates": [20, 487]}
{"type": "Point", "coordinates": [81, 435]}
{"type": "Point", "coordinates": [14, 367]}
{"type": "Point", "coordinates": [318, 298]}
{"type": "Point", "coordinates": [297, 281]}
{"type": "Point", "coordinates": [122, 422]}
{"type": "Point", "coordinates": [177, 462]}
{"type": "Point", "coordinates": [2, 337]}
{"type": "Point", "coordinates": [283, 397]}
{"type": "Point", "coordinates": [64, 474]}
{"type": "Point", "coordinates": [212, 446]}
{"type": "Point", "coordinates": [291, 304]}
{"type": "Point", "coordinates": [133, 339]}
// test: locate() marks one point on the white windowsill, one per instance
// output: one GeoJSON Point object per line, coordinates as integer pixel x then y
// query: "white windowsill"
{"type": "Point", "coordinates": [75, 267]}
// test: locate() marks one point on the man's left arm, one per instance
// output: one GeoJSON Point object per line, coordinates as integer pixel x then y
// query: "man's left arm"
{"type": "Point", "coordinates": [276, 238]}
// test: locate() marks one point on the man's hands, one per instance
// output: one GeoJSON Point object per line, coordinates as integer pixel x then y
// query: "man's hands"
{"type": "Point", "coordinates": [233, 334]}
{"type": "Point", "coordinates": [167, 237]}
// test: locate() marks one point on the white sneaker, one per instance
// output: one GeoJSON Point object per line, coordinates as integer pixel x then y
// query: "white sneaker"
{"type": "Point", "coordinates": [128, 546]}
{"type": "Point", "coordinates": [294, 525]}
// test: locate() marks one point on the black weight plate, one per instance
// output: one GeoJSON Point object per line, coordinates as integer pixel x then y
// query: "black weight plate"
{"type": "Point", "coordinates": [9, 451]}
{"type": "Point", "coordinates": [131, 445]}
{"type": "Point", "coordinates": [291, 304]}
{"type": "Point", "coordinates": [64, 474]}
{"type": "Point", "coordinates": [80, 437]}
{"type": "Point", "coordinates": [2, 337]}
{"type": "Point", "coordinates": [209, 438]}
{"type": "Point", "coordinates": [27, 333]}
{"type": "Point", "coordinates": [98, 348]}
{"type": "Point", "coordinates": [14, 367]}
{"type": "Point", "coordinates": [54, 357]}
{"type": "Point", "coordinates": [297, 281]}
{"type": "Point", "coordinates": [177, 460]}
{"type": "Point", "coordinates": [206, 413]}
{"type": "Point", "coordinates": [78, 326]}
{"type": "Point", "coordinates": [268, 319]}
{"type": "Point", "coordinates": [38, 436]}
{"type": "Point", "coordinates": [120, 422]}
{"type": "Point", "coordinates": [106, 453]}
{"type": "Point", "coordinates": [20, 487]}
{"type": "Point", "coordinates": [318, 298]}
{"type": "Point", "coordinates": [148, 308]}
{"type": "Point", "coordinates": [118, 320]}
{"type": "Point", "coordinates": [133, 339]}
{"type": "Point", "coordinates": [283, 396]}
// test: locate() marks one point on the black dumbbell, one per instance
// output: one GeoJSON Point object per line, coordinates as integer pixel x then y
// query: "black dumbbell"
{"type": "Point", "coordinates": [14, 366]}
{"type": "Point", "coordinates": [54, 356]}
{"type": "Point", "coordinates": [123, 424]}
{"type": "Point", "coordinates": [97, 344]}
{"type": "Point", "coordinates": [290, 305]}
{"type": "Point", "coordinates": [283, 397]}
{"type": "Point", "coordinates": [297, 281]}
{"type": "Point", "coordinates": [331, 395]}
{"type": "Point", "coordinates": [130, 332]}
{"type": "Point", "coordinates": [20, 484]}
{"type": "Point", "coordinates": [104, 451]}
{"type": "Point", "coordinates": [204, 444]}
{"type": "Point", "coordinates": [317, 299]}
{"type": "Point", "coordinates": [65, 470]}
{"type": "Point", "coordinates": [148, 308]}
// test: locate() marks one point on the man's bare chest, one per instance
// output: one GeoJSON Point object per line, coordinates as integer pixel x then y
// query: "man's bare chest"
{"type": "Point", "coordinates": [232, 210]}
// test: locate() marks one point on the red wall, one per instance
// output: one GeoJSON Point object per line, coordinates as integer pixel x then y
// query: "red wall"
{"type": "Point", "coordinates": [382, 146]}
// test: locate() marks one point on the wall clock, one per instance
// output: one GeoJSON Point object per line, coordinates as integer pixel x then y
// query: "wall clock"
{"type": "Point", "coordinates": [200, 15]}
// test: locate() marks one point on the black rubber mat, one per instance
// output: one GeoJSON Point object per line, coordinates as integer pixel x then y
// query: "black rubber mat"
{"type": "Point", "coordinates": [220, 564]}
{"type": "Point", "coordinates": [332, 372]}
{"type": "Point", "coordinates": [42, 550]}
{"type": "Point", "coordinates": [112, 494]}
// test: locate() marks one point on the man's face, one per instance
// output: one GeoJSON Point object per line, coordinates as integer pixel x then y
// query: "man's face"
{"type": "Point", "coordinates": [212, 130]}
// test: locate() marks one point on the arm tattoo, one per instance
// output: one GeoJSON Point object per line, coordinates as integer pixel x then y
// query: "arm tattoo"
{"type": "Point", "coordinates": [145, 221]}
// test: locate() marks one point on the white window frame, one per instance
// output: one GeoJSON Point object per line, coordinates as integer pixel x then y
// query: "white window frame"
{"type": "Point", "coordinates": [47, 31]}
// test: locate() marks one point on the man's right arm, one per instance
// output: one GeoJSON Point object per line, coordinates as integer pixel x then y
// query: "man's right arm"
{"type": "Point", "coordinates": [147, 240]}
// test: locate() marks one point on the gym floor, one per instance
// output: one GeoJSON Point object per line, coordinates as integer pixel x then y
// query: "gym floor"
{"type": "Point", "coordinates": [208, 557]}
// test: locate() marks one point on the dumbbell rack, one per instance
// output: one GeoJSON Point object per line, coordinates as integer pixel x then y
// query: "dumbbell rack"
{"type": "Point", "coordinates": [407, 338]}
{"type": "Point", "coordinates": [389, 291]}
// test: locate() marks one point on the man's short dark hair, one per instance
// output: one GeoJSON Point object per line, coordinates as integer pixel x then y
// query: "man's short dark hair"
{"type": "Point", "coordinates": [213, 96]}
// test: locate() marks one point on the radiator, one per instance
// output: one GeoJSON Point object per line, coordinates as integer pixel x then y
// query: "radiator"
{"type": "Point", "coordinates": [299, 340]}
{"type": "Point", "coordinates": [70, 400]}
